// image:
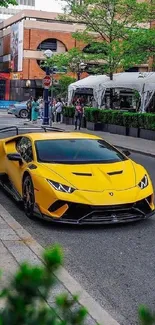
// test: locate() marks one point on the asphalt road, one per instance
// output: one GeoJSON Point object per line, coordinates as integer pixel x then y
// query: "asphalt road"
{"type": "Point", "coordinates": [115, 264]}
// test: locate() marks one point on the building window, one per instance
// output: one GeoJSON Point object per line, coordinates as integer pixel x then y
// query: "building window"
{"type": "Point", "coordinates": [49, 44]}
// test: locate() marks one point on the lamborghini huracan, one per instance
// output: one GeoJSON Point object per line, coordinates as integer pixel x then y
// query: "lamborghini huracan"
{"type": "Point", "coordinates": [74, 178]}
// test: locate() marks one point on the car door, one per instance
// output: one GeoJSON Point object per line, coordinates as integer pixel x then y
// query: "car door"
{"type": "Point", "coordinates": [16, 170]}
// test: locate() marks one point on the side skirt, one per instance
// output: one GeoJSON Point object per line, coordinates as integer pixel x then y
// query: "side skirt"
{"type": "Point", "coordinates": [7, 185]}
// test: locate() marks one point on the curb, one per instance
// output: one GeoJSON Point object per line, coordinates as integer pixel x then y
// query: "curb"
{"type": "Point", "coordinates": [136, 151]}
{"type": "Point", "coordinates": [98, 314]}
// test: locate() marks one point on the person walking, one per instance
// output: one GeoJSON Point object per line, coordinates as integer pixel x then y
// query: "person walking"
{"type": "Point", "coordinates": [78, 114]}
{"type": "Point", "coordinates": [58, 108]}
{"type": "Point", "coordinates": [41, 108]}
{"type": "Point", "coordinates": [35, 110]}
{"type": "Point", "coordinates": [29, 108]}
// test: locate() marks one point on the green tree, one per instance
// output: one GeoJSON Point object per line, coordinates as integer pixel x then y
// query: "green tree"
{"type": "Point", "coordinates": [117, 30]}
{"type": "Point", "coordinates": [70, 61]}
{"type": "Point", "coordinates": [26, 296]}
{"type": "Point", "coordinates": [6, 3]}
{"type": "Point", "coordinates": [64, 82]}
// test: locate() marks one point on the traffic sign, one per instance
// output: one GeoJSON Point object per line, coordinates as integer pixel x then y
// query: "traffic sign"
{"type": "Point", "coordinates": [47, 82]}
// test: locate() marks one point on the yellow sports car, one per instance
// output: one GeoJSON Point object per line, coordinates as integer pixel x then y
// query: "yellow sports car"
{"type": "Point", "coordinates": [74, 178]}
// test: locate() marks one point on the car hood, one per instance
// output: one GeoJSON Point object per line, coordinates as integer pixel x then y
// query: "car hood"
{"type": "Point", "coordinates": [94, 177]}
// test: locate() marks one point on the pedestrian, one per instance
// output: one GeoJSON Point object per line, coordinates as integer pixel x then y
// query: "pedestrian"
{"type": "Point", "coordinates": [58, 108]}
{"type": "Point", "coordinates": [35, 110]}
{"type": "Point", "coordinates": [29, 108]}
{"type": "Point", "coordinates": [41, 108]}
{"type": "Point", "coordinates": [78, 114]}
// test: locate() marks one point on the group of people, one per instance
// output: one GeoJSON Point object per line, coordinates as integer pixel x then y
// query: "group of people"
{"type": "Point", "coordinates": [36, 109]}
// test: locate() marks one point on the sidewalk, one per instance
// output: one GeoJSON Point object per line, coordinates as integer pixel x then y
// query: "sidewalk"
{"type": "Point", "coordinates": [17, 245]}
{"type": "Point", "coordinates": [138, 145]}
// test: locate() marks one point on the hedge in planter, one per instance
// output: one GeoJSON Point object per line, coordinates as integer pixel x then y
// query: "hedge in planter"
{"type": "Point", "coordinates": [131, 121]}
{"type": "Point", "coordinates": [117, 126]}
{"type": "Point", "coordinates": [147, 126]}
{"type": "Point", "coordinates": [93, 118]}
{"type": "Point", "coordinates": [68, 113]}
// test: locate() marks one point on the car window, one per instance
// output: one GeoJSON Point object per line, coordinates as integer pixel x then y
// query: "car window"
{"type": "Point", "coordinates": [76, 151]}
{"type": "Point", "coordinates": [24, 147]}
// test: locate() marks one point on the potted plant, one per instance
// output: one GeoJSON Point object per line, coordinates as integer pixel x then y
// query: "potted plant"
{"type": "Point", "coordinates": [131, 121]}
{"type": "Point", "coordinates": [93, 119]}
{"type": "Point", "coordinates": [116, 125]}
{"type": "Point", "coordinates": [147, 126]}
{"type": "Point", "coordinates": [68, 115]}
{"type": "Point", "coordinates": [106, 116]}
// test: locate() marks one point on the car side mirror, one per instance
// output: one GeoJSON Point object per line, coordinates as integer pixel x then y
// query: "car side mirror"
{"type": "Point", "coordinates": [126, 153]}
{"type": "Point", "coordinates": [15, 157]}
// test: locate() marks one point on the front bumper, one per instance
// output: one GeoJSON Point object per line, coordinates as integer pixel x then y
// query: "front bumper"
{"type": "Point", "coordinates": [106, 214]}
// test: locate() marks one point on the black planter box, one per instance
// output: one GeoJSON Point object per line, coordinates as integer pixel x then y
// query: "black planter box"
{"type": "Point", "coordinates": [105, 128]}
{"type": "Point", "coordinates": [83, 122]}
{"type": "Point", "coordinates": [64, 119]}
{"type": "Point", "coordinates": [133, 132]}
{"type": "Point", "coordinates": [147, 134]}
{"type": "Point", "coordinates": [67, 120]}
{"type": "Point", "coordinates": [117, 129]}
{"type": "Point", "coordinates": [71, 121]}
{"type": "Point", "coordinates": [94, 126]}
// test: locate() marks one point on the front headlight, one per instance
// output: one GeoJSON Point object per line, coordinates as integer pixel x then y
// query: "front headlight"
{"type": "Point", "coordinates": [144, 182]}
{"type": "Point", "coordinates": [60, 187]}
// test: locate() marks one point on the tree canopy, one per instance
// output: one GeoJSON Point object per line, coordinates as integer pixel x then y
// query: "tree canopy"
{"type": "Point", "coordinates": [6, 3]}
{"type": "Point", "coordinates": [118, 31]}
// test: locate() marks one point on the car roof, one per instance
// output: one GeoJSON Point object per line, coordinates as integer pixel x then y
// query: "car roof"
{"type": "Point", "coordinates": [60, 135]}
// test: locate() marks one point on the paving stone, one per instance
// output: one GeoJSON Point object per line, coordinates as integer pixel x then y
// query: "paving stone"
{"type": "Point", "coordinates": [6, 233]}
{"type": "Point", "coordinates": [8, 265]}
{"type": "Point", "coordinates": [21, 252]}
{"type": "Point", "coordinates": [57, 290]}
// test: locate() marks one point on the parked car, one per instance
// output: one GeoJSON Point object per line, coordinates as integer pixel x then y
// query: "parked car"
{"type": "Point", "coordinates": [19, 110]}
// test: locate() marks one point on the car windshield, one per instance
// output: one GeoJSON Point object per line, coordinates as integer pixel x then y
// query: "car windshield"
{"type": "Point", "coordinates": [77, 151]}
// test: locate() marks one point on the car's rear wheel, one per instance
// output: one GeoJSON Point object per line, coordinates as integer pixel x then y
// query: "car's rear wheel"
{"type": "Point", "coordinates": [23, 113]}
{"type": "Point", "coordinates": [28, 197]}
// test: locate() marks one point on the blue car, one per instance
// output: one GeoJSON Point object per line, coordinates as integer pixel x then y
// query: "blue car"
{"type": "Point", "coordinates": [19, 110]}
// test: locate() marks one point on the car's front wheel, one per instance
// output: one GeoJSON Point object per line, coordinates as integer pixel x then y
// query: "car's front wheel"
{"type": "Point", "coordinates": [23, 113]}
{"type": "Point", "coordinates": [28, 197]}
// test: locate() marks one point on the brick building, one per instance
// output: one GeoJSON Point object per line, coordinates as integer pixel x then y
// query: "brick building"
{"type": "Point", "coordinates": [23, 40]}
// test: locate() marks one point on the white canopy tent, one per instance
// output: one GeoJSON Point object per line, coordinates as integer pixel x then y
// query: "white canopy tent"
{"type": "Point", "coordinates": [144, 83]}
{"type": "Point", "coordinates": [94, 82]}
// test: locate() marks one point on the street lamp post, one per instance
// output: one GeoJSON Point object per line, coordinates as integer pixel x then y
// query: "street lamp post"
{"type": "Point", "coordinates": [81, 68]}
{"type": "Point", "coordinates": [51, 115]}
{"type": "Point", "coordinates": [48, 54]}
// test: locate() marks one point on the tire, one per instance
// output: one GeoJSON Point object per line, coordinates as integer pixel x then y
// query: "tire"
{"type": "Point", "coordinates": [28, 197]}
{"type": "Point", "coordinates": [23, 113]}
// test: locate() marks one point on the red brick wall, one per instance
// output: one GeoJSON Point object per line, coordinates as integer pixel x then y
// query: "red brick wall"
{"type": "Point", "coordinates": [6, 45]}
{"type": "Point", "coordinates": [32, 38]}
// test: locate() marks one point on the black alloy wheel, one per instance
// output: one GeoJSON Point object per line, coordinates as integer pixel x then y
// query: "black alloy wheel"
{"type": "Point", "coordinates": [28, 197]}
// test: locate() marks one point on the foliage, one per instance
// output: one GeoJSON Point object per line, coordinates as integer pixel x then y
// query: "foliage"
{"type": "Point", "coordinates": [6, 3]}
{"type": "Point", "coordinates": [92, 114]}
{"type": "Point", "coordinates": [64, 82]}
{"type": "Point", "coordinates": [69, 111]}
{"type": "Point", "coordinates": [115, 29]}
{"type": "Point", "coordinates": [131, 119]}
{"type": "Point", "coordinates": [147, 121]}
{"type": "Point", "coordinates": [69, 60]}
{"type": "Point", "coordinates": [26, 296]}
{"type": "Point", "coordinates": [146, 316]}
